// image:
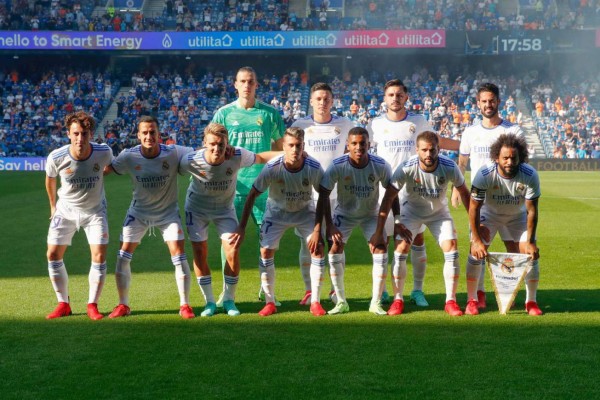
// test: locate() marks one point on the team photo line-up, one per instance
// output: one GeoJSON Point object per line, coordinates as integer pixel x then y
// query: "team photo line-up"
{"type": "Point", "coordinates": [322, 177]}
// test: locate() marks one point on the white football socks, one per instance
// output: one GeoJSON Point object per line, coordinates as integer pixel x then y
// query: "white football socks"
{"type": "Point", "coordinates": [379, 274]}
{"type": "Point", "coordinates": [418, 259]}
{"type": "Point", "coordinates": [96, 279]}
{"type": "Point", "coordinates": [336, 272]}
{"type": "Point", "coordinates": [317, 269]}
{"type": "Point", "coordinates": [451, 274]}
{"type": "Point", "coordinates": [473, 271]}
{"type": "Point", "coordinates": [531, 282]}
{"type": "Point", "coordinates": [182, 277]}
{"type": "Point", "coordinates": [123, 275]}
{"type": "Point", "coordinates": [304, 260]}
{"type": "Point", "coordinates": [60, 280]}
{"type": "Point", "coordinates": [205, 284]}
{"type": "Point", "coordinates": [399, 274]}
{"type": "Point", "coordinates": [266, 266]}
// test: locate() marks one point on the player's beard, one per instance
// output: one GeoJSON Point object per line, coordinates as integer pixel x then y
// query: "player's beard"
{"type": "Point", "coordinates": [489, 113]}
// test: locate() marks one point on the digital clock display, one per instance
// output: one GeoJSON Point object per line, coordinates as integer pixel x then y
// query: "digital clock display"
{"type": "Point", "coordinates": [513, 45]}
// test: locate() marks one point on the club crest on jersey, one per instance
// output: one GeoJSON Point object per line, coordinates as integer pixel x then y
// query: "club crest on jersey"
{"type": "Point", "coordinates": [412, 129]}
{"type": "Point", "coordinates": [229, 172]}
{"type": "Point", "coordinates": [417, 181]}
{"type": "Point", "coordinates": [96, 167]}
{"type": "Point", "coordinates": [441, 180]}
{"type": "Point", "coordinates": [371, 178]}
{"type": "Point", "coordinates": [508, 266]}
{"type": "Point", "coordinates": [165, 165]}
{"type": "Point", "coordinates": [337, 130]}
{"type": "Point", "coordinates": [305, 182]}
{"type": "Point", "coordinates": [259, 121]}
{"type": "Point", "coordinates": [520, 187]}
{"type": "Point", "coordinates": [138, 167]}
{"type": "Point", "coordinates": [69, 171]}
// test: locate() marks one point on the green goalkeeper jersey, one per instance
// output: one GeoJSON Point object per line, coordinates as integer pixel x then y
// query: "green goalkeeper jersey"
{"type": "Point", "coordinates": [253, 129]}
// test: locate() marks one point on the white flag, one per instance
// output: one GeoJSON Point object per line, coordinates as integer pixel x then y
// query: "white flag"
{"type": "Point", "coordinates": [507, 271]}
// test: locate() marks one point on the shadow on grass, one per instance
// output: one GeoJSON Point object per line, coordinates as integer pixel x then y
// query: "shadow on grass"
{"type": "Point", "coordinates": [550, 301]}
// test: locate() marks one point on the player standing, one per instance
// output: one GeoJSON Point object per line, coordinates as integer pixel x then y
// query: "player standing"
{"type": "Point", "coordinates": [358, 175]}
{"type": "Point", "coordinates": [81, 203]}
{"type": "Point", "coordinates": [290, 179]}
{"type": "Point", "coordinates": [394, 135]}
{"type": "Point", "coordinates": [210, 199]}
{"type": "Point", "coordinates": [475, 149]}
{"type": "Point", "coordinates": [252, 125]}
{"type": "Point", "coordinates": [424, 180]}
{"type": "Point", "coordinates": [153, 168]}
{"type": "Point", "coordinates": [325, 138]}
{"type": "Point", "coordinates": [504, 199]}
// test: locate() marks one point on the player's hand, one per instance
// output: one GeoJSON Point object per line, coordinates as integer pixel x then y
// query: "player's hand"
{"type": "Point", "coordinates": [484, 233]}
{"type": "Point", "coordinates": [401, 232]}
{"type": "Point", "coordinates": [478, 250]}
{"type": "Point", "coordinates": [376, 240]}
{"type": "Point", "coordinates": [335, 235]}
{"type": "Point", "coordinates": [456, 200]}
{"type": "Point", "coordinates": [52, 211]}
{"type": "Point", "coordinates": [314, 242]}
{"type": "Point", "coordinates": [237, 237]}
{"type": "Point", "coordinates": [229, 151]}
{"type": "Point", "coordinates": [533, 251]}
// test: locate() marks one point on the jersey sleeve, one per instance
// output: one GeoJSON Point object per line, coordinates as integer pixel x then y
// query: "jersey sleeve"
{"type": "Point", "coordinates": [398, 178]}
{"type": "Point", "coordinates": [120, 164]}
{"type": "Point", "coordinates": [51, 169]}
{"type": "Point", "coordinates": [479, 186]}
{"type": "Point", "coordinates": [184, 165]}
{"type": "Point", "coordinates": [247, 157]}
{"type": "Point", "coordinates": [182, 151]}
{"type": "Point", "coordinates": [330, 177]}
{"type": "Point", "coordinates": [533, 187]}
{"type": "Point", "coordinates": [263, 181]}
{"type": "Point", "coordinates": [458, 179]}
{"type": "Point", "coordinates": [278, 126]}
{"type": "Point", "coordinates": [386, 175]}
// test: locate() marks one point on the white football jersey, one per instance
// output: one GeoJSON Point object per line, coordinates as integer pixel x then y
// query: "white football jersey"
{"type": "Point", "coordinates": [502, 196]}
{"type": "Point", "coordinates": [424, 193]}
{"type": "Point", "coordinates": [289, 191]}
{"type": "Point", "coordinates": [154, 180]}
{"type": "Point", "coordinates": [357, 188]}
{"type": "Point", "coordinates": [325, 142]}
{"type": "Point", "coordinates": [81, 181]}
{"type": "Point", "coordinates": [213, 186]}
{"type": "Point", "coordinates": [396, 141]}
{"type": "Point", "coordinates": [476, 142]}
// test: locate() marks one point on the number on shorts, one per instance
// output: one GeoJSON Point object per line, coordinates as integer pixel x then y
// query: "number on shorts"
{"type": "Point", "coordinates": [267, 224]}
{"type": "Point", "coordinates": [56, 222]}
{"type": "Point", "coordinates": [338, 220]}
{"type": "Point", "coordinates": [188, 218]}
{"type": "Point", "coordinates": [128, 219]}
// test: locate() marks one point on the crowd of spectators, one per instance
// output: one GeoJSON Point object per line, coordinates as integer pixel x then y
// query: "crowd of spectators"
{"type": "Point", "coordinates": [566, 116]}
{"type": "Point", "coordinates": [272, 15]}
{"type": "Point", "coordinates": [33, 110]}
{"type": "Point", "coordinates": [184, 103]}
{"type": "Point", "coordinates": [564, 111]}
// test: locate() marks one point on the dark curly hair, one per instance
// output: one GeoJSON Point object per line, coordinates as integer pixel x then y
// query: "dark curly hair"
{"type": "Point", "coordinates": [511, 141]}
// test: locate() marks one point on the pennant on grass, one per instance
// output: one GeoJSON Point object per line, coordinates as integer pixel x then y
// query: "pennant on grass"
{"type": "Point", "coordinates": [507, 271]}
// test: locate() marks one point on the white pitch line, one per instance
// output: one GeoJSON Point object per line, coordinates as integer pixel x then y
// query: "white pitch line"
{"type": "Point", "coordinates": [571, 198]}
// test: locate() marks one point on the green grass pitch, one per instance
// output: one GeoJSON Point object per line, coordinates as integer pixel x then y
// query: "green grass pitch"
{"type": "Point", "coordinates": [291, 355]}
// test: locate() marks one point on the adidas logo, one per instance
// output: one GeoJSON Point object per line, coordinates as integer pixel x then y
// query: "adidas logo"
{"type": "Point", "coordinates": [235, 123]}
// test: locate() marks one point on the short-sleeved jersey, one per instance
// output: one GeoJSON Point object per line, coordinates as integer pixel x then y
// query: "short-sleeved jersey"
{"type": "Point", "coordinates": [289, 191]}
{"type": "Point", "coordinates": [81, 181]}
{"type": "Point", "coordinates": [396, 141]}
{"type": "Point", "coordinates": [325, 142]}
{"type": "Point", "coordinates": [357, 188]}
{"type": "Point", "coordinates": [476, 142]}
{"type": "Point", "coordinates": [424, 193]}
{"type": "Point", "coordinates": [154, 180]}
{"type": "Point", "coordinates": [212, 188]}
{"type": "Point", "coordinates": [253, 129]}
{"type": "Point", "coordinates": [503, 196]}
